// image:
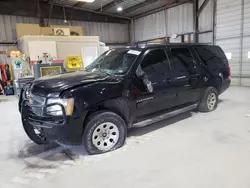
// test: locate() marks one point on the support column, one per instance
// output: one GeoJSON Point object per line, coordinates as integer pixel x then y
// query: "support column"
{"type": "Point", "coordinates": [196, 21]}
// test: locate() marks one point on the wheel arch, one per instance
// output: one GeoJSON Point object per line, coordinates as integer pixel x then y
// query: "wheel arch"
{"type": "Point", "coordinates": [216, 82]}
{"type": "Point", "coordinates": [117, 105]}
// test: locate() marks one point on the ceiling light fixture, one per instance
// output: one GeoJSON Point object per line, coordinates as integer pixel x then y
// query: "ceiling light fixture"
{"type": "Point", "coordinates": [119, 9]}
{"type": "Point", "coordinates": [87, 1]}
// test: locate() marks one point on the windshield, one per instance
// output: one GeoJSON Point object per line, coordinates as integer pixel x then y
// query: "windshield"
{"type": "Point", "coordinates": [115, 61]}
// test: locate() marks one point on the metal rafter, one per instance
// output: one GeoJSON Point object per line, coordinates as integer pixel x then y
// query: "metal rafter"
{"type": "Point", "coordinates": [138, 6]}
{"type": "Point", "coordinates": [20, 8]}
{"type": "Point", "coordinates": [79, 4]}
{"type": "Point", "coordinates": [202, 7]}
{"type": "Point", "coordinates": [110, 5]}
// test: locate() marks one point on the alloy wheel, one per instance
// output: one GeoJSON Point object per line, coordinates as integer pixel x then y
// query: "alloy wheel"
{"type": "Point", "coordinates": [211, 101]}
{"type": "Point", "coordinates": [105, 136]}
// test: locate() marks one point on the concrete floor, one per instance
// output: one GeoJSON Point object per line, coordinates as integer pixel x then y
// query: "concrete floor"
{"type": "Point", "coordinates": [192, 150]}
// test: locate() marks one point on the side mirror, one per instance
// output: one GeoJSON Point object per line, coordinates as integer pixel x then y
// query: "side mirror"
{"type": "Point", "coordinates": [147, 83]}
{"type": "Point", "coordinates": [144, 77]}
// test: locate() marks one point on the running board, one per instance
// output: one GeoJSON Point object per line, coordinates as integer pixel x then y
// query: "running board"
{"type": "Point", "coordinates": [165, 116]}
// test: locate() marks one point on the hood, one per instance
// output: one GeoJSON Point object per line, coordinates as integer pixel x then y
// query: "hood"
{"type": "Point", "coordinates": [60, 82]}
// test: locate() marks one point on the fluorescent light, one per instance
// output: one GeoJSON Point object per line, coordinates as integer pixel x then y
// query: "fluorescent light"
{"type": "Point", "coordinates": [119, 9]}
{"type": "Point", "coordinates": [87, 1]}
{"type": "Point", "coordinates": [248, 55]}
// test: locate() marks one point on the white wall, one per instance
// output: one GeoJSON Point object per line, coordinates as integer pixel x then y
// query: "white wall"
{"type": "Point", "coordinates": [206, 16]}
{"type": "Point", "coordinates": [151, 26]}
{"type": "Point", "coordinates": [176, 20]}
{"type": "Point", "coordinates": [233, 35]}
{"type": "Point", "coordinates": [206, 22]}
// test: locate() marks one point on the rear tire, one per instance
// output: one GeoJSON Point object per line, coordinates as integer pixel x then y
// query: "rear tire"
{"type": "Point", "coordinates": [209, 102]}
{"type": "Point", "coordinates": [105, 131]}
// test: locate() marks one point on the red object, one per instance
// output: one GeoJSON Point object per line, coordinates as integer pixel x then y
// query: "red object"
{"type": "Point", "coordinates": [53, 61]}
{"type": "Point", "coordinates": [3, 73]}
{"type": "Point", "coordinates": [58, 61]}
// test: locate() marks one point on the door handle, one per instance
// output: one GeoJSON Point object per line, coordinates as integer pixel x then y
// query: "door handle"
{"type": "Point", "coordinates": [169, 80]}
{"type": "Point", "coordinates": [197, 76]}
{"type": "Point", "coordinates": [180, 77]}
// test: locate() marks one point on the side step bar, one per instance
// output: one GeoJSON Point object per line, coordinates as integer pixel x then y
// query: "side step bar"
{"type": "Point", "coordinates": [164, 116]}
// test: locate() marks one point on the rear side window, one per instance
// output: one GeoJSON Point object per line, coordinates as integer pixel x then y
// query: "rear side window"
{"type": "Point", "coordinates": [212, 56]}
{"type": "Point", "coordinates": [155, 62]}
{"type": "Point", "coordinates": [182, 59]}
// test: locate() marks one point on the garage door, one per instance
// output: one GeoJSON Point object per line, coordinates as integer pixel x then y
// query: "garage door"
{"type": "Point", "coordinates": [233, 35]}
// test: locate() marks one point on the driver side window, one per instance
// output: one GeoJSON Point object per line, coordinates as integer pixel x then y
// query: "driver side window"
{"type": "Point", "coordinates": [155, 62]}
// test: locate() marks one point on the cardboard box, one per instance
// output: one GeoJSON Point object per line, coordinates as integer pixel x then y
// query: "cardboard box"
{"type": "Point", "coordinates": [27, 29]}
{"type": "Point", "coordinates": [35, 29]}
{"type": "Point", "coordinates": [76, 29]}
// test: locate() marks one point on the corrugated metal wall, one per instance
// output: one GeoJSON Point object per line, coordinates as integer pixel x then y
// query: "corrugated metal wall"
{"type": "Point", "coordinates": [108, 32]}
{"type": "Point", "coordinates": [180, 19]}
{"type": "Point", "coordinates": [233, 35]}
{"type": "Point", "coordinates": [150, 27]}
{"type": "Point", "coordinates": [206, 16]}
{"type": "Point", "coordinates": [245, 67]}
{"type": "Point", "coordinates": [176, 20]}
{"type": "Point", "coordinates": [206, 22]}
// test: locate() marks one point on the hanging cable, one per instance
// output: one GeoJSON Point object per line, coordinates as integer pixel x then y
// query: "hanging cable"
{"type": "Point", "coordinates": [50, 12]}
{"type": "Point", "coordinates": [64, 15]}
{"type": "Point", "coordinates": [101, 5]}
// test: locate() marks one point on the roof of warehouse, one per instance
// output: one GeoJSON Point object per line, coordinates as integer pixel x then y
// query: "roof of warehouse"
{"type": "Point", "coordinates": [131, 8]}
{"type": "Point", "coordinates": [97, 11]}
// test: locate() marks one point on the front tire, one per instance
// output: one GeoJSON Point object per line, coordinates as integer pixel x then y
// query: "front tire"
{"type": "Point", "coordinates": [105, 131]}
{"type": "Point", "coordinates": [209, 102]}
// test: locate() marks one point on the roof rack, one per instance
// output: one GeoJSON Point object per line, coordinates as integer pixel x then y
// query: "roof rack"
{"type": "Point", "coordinates": [139, 44]}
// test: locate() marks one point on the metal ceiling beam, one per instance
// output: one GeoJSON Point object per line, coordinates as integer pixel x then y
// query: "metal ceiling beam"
{"type": "Point", "coordinates": [202, 7]}
{"type": "Point", "coordinates": [138, 6]}
{"type": "Point", "coordinates": [79, 4]}
{"type": "Point", "coordinates": [93, 11]}
{"type": "Point", "coordinates": [162, 8]}
{"type": "Point", "coordinates": [109, 5]}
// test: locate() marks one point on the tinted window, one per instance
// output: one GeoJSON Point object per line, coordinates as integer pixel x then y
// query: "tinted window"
{"type": "Point", "coordinates": [211, 55]}
{"type": "Point", "coordinates": [155, 62]}
{"type": "Point", "coordinates": [182, 59]}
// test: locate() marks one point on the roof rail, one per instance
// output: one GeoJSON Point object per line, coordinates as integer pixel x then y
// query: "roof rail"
{"type": "Point", "coordinates": [144, 44]}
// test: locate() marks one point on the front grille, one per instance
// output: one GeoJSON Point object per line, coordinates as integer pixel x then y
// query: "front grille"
{"type": "Point", "coordinates": [36, 101]}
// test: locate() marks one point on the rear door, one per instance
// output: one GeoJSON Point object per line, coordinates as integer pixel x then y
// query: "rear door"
{"type": "Point", "coordinates": [185, 75]}
{"type": "Point", "coordinates": [214, 60]}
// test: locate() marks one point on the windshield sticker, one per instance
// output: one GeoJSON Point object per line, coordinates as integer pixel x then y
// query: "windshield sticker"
{"type": "Point", "coordinates": [134, 52]}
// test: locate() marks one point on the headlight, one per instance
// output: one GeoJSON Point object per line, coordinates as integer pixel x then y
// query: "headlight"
{"type": "Point", "coordinates": [56, 110]}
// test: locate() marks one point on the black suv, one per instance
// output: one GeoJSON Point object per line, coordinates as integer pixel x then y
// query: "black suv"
{"type": "Point", "coordinates": [123, 88]}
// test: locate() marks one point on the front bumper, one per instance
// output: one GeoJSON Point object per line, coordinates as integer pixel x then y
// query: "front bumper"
{"type": "Point", "coordinates": [64, 129]}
